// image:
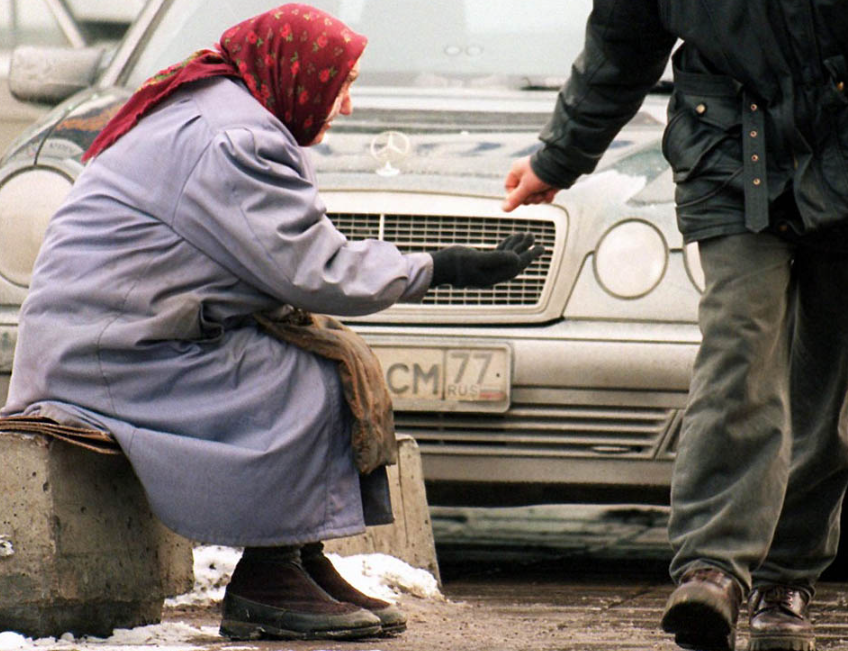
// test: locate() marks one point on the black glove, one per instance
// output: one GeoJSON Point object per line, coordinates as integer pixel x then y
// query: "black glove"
{"type": "Point", "coordinates": [463, 266]}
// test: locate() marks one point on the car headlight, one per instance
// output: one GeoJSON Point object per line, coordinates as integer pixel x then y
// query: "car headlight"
{"type": "Point", "coordinates": [28, 199]}
{"type": "Point", "coordinates": [631, 259]}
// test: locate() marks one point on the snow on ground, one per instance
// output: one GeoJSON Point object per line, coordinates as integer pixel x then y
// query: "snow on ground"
{"type": "Point", "coordinates": [213, 567]}
{"type": "Point", "coordinates": [386, 577]}
{"type": "Point", "coordinates": [379, 575]}
{"type": "Point", "coordinates": [172, 636]}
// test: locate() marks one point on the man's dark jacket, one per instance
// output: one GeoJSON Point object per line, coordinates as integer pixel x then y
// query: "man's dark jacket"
{"type": "Point", "coordinates": [759, 110]}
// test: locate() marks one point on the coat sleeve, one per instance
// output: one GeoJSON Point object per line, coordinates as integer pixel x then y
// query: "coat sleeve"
{"type": "Point", "coordinates": [249, 205]}
{"type": "Point", "coordinates": [625, 53]}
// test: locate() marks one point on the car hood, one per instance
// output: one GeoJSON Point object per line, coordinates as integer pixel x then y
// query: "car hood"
{"type": "Point", "coordinates": [464, 145]}
{"type": "Point", "coordinates": [426, 141]}
{"type": "Point", "coordinates": [69, 129]}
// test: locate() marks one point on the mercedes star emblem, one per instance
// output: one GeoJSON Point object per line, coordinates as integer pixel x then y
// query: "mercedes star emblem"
{"type": "Point", "coordinates": [390, 147]}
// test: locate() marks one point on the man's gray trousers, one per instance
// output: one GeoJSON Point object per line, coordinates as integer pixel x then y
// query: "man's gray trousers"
{"type": "Point", "coordinates": [763, 459]}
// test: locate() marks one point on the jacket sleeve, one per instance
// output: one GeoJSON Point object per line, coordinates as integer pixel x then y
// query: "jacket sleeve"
{"type": "Point", "coordinates": [625, 53]}
{"type": "Point", "coordinates": [250, 205]}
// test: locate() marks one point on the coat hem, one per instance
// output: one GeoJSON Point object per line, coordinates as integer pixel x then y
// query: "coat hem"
{"type": "Point", "coordinates": [301, 538]}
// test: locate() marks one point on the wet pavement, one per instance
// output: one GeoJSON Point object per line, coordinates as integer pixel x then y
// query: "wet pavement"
{"type": "Point", "coordinates": [593, 577]}
{"type": "Point", "coordinates": [546, 579]}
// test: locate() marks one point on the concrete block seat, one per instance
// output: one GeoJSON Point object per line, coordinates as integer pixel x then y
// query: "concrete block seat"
{"type": "Point", "coordinates": [81, 551]}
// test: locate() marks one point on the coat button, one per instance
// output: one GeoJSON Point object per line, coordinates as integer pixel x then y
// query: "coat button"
{"type": "Point", "coordinates": [755, 158]}
{"type": "Point", "coordinates": [840, 86]}
{"type": "Point", "coordinates": [757, 181]}
{"type": "Point", "coordinates": [701, 109]}
{"type": "Point", "coordinates": [753, 133]}
{"type": "Point", "coordinates": [754, 107]}
{"type": "Point", "coordinates": [782, 227]}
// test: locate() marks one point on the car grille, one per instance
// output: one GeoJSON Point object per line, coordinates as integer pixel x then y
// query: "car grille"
{"type": "Point", "coordinates": [545, 430]}
{"type": "Point", "coordinates": [424, 233]}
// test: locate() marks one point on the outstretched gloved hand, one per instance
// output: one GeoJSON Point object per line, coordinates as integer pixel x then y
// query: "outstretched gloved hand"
{"type": "Point", "coordinates": [463, 266]}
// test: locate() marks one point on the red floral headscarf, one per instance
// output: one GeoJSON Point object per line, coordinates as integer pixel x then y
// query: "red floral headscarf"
{"type": "Point", "coordinates": [294, 60]}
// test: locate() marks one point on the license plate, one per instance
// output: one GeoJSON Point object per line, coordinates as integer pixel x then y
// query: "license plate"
{"type": "Point", "coordinates": [446, 378]}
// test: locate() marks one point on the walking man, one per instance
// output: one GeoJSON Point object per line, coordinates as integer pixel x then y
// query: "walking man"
{"type": "Point", "coordinates": [757, 138]}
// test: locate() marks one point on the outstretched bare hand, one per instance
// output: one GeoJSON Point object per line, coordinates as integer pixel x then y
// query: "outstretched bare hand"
{"type": "Point", "coordinates": [524, 187]}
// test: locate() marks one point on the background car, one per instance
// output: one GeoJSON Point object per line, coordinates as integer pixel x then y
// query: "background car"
{"type": "Point", "coordinates": [52, 23]}
{"type": "Point", "coordinates": [565, 384]}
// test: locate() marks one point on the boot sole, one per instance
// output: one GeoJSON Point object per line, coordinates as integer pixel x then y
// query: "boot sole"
{"type": "Point", "coordinates": [245, 631]}
{"type": "Point", "coordinates": [391, 620]}
{"type": "Point", "coordinates": [781, 643]}
{"type": "Point", "coordinates": [243, 619]}
{"type": "Point", "coordinates": [697, 626]}
{"type": "Point", "coordinates": [392, 631]}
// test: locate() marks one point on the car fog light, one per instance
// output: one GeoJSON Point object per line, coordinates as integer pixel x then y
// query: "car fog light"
{"type": "Point", "coordinates": [27, 201]}
{"type": "Point", "coordinates": [631, 259]}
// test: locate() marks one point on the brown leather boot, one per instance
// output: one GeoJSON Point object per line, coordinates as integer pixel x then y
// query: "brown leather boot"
{"type": "Point", "coordinates": [778, 619]}
{"type": "Point", "coordinates": [271, 596]}
{"type": "Point", "coordinates": [320, 568]}
{"type": "Point", "coordinates": [703, 609]}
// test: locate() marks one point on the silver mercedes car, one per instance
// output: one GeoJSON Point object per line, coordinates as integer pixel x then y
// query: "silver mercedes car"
{"type": "Point", "coordinates": [565, 384]}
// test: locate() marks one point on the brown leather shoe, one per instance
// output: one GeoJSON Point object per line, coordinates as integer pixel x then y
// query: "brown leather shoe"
{"type": "Point", "coordinates": [778, 619]}
{"type": "Point", "coordinates": [270, 595]}
{"type": "Point", "coordinates": [702, 611]}
{"type": "Point", "coordinates": [321, 570]}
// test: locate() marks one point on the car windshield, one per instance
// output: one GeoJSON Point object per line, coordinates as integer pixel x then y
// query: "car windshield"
{"type": "Point", "coordinates": [442, 43]}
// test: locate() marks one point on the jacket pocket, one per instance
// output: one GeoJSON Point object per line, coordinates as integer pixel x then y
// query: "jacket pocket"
{"type": "Point", "coordinates": [832, 124]}
{"type": "Point", "coordinates": [703, 139]}
{"type": "Point", "coordinates": [836, 95]}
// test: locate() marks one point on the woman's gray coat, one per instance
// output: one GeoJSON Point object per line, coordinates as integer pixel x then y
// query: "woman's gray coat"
{"type": "Point", "coordinates": [138, 321]}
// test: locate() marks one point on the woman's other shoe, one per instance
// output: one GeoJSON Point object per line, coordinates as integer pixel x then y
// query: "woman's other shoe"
{"type": "Point", "coordinates": [321, 570]}
{"type": "Point", "coordinates": [270, 595]}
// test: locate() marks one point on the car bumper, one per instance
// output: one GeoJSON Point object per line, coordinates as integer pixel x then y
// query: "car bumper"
{"type": "Point", "coordinates": [593, 413]}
